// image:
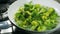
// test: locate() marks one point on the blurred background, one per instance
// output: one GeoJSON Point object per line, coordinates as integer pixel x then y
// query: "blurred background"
{"type": "Point", "coordinates": [5, 25]}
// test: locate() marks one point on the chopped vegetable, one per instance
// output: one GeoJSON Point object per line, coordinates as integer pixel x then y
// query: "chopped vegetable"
{"type": "Point", "coordinates": [36, 17]}
{"type": "Point", "coordinates": [41, 28]}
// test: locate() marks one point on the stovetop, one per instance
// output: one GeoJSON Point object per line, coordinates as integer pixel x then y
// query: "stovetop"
{"type": "Point", "coordinates": [7, 27]}
{"type": "Point", "coordinates": [10, 29]}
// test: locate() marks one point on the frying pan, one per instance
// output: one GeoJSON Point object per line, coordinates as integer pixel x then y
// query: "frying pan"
{"type": "Point", "coordinates": [15, 6]}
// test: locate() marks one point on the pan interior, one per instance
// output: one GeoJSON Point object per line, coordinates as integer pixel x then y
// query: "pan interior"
{"type": "Point", "coordinates": [15, 6]}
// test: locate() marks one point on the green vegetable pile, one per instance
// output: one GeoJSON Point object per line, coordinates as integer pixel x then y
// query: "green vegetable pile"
{"type": "Point", "coordinates": [36, 17]}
